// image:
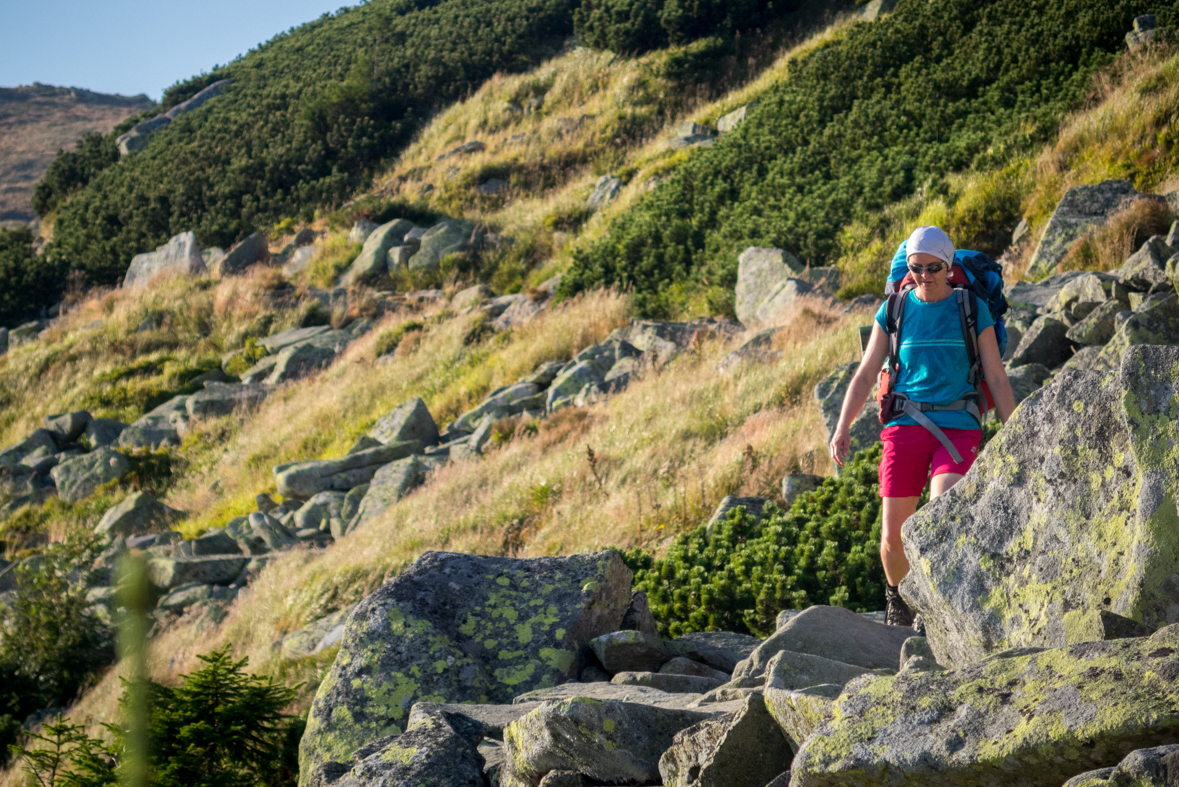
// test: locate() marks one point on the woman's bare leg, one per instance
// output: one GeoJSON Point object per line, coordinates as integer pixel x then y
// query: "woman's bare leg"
{"type": "Point", "coordinates": [892, 552]}
{"type": "Point", "coordinates": [940, 484]}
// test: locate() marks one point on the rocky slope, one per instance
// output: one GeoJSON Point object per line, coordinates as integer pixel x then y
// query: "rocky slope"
{"type": "Point", "coordinates": [38, 120]}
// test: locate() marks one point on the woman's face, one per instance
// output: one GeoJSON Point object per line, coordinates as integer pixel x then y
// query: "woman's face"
{"type": "Point", "coordinates": [920, 265]}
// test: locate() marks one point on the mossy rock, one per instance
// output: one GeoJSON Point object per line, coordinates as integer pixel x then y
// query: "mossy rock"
{"type": "Point", "coordinates": [1068, 512]}
{"type": "Point", "coordinates": [461, 628]}
{"type": "Point", "coordinates": [1027, 717]}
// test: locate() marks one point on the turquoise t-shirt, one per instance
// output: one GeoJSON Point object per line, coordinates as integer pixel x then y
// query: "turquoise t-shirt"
{"type": "Point", "coordinates": [934, 364]}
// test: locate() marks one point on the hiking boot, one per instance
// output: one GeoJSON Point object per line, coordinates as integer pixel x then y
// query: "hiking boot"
{"type": "Point", "coordinates": [918, 626]}
{"type": "Point", "coordinates": [896, 611]}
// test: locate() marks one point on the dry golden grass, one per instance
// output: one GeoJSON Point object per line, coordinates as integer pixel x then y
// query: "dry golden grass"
{"type": "Point", "coordinates": [1108, 247]}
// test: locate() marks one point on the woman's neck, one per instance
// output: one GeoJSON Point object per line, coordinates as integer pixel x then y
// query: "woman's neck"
{"type": "Point", "coordinates": [933, 293]}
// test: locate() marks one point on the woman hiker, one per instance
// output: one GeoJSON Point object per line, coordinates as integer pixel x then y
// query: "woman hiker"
{"type": "Point", "coordinates": [933, 422]}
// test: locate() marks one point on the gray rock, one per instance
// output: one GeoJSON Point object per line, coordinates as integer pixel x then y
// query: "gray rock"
{"type": "Point", "coordinates": [1145, 29]}
{"type": "Point", "coordinates": [172, 414]}
{"type": "Point", "coordinates": [1114, 626]}
{"type": "Point", "coordinates": [829, 393]}
{"type": "Point", "coordinates": [747, 750]}
{"type": "Point", "coordinates": [389, 484]}
{"type": "Point", "coordinates": [271, 531]}
{"type": "Point", "coordinates": [224, 398]}
{"type": "Point", "coordinates": [80, 476]}
{"type": "Point", "coordinates": [304, 479]}
{"type": "Point", "coordinates": [672, 684]}
{"type": "Point", "coordinates": [497, 306]}
{"type": "Point", "coordinates": [471, 297]}
{"type": "Point", "coordinates": [492, 187]}
{"type": "Point", "coordinates": [767, 283]}
{"type": "Point", "coordinates": [214, 542]}
{"type": "Point", "coordinates": [563, 779]}
{"type": "Point", "coordinates": [1157, 323]}
{"type": "Point", "coordinates": [875, 9]}
{"type": "Point", "coordinates": [1098, 326]}
{"type": "Point", "coordinates": [295, 261]}
{"type": "Point", "coordinates": [370, 263]}
{"type": "Point", "coordinates": [1083, 208]}
{"type": "Point", "coordinates": [137, 514]}
{"type": "Point", "coordinates": [1046, 342]}
{"type": "Point", "coordinates": [408, 421]}
{"type": "Point", "coordinates": [429, 753]}
{"type": "Point", "coordinates": [799, 712]}
{"type": "Point", "coordinates": [178, 257]}
{"type": "Point", "coordinates": [166, 573]}
{"type": "Point", "coordinates": [796, 484]}
{"type": "Point", "coordinates": [292, 336]}
{"type": "Point", "coordinates": [629, 651]}
{"type": "Point", "coordinates": [1146, 268]}
{"type": "Point", "coordinates": [103, 431]}
{"type": "Point", "coordinates": [319, 510]}
{"type": "Point", "coordinates": [520, 313]}
{"type": "Point", "coordinates": [461, 628]}
{"type": "Point", "coordinates": [1154, 767]}
{"type": "Point", "coordinates": [793, 671]}
{"type": "Point", "coordinates": [638, 615]}
{"type": "Point", "coordinates": [297, 362]}
{"type": "Point", "coordinates": [753, 507]}
{"type": "Point", "coordinates": [663, 341]}
{"type": "Point", "coordinates": [486, 721]}
{"type": "Point", "coordinates": [834, 633]}
{"type": "Point", "coordinates": [722, 650]}
{"type": "Point", "coordinates": [314, 637]}
{"type": "Point", "coordinates": [39, 443]}
{"type": "Point", "coordinates": [244, 254]}
{"type": "Point", "coordinates": [510, 400]}
{"type": "Point", "coordinates": [1086, 450]}
{"type": "Point", "coordinates": [735, 118]}
{"type": "Point", "coordinates": [136, 138]}
{"type": "Point", "coordinates": [444, 238]}
{"type": "Point", "coordinates": [605, 191]}
{"type": "Point", "coordinates": [992, 721]}
{"type": "Point", "coordinates": [588, 367]}
{"type": "Point", "coordinates": [1086, 287]}
{"type": "Point", "coordinates": [685, 666]}
{"type": "Point", "coordinates": [68, 427]}
{"type": "Point", "coordinates": [153, 437]}
{"type": "Point", "coordinates": [610, 742]}
{"type": "Point", "coordinates": [361, 230]}
{"type": "Point", "coordinates": [1085, 359]}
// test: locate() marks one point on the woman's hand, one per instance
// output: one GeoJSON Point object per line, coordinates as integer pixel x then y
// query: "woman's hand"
{"type": "Point", "coordinates": [840, 444]}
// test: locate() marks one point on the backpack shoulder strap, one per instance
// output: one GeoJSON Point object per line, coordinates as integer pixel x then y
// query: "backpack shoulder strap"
{"type": "Point", "coordinates": [968, 316]}
{"type": "Point", "coordinates": [893, 317]}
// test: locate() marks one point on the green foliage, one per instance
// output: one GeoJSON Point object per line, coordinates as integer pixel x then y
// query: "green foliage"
{"type": "Point", "coordinates": [307, 117]}
{"type": "Point", "coordinates": [128, 390]}
{"type": "Point", "coordinates": [636, 26]}
{"type": "Point", "coordinates": [26, 284]}
{"type": "Point", "coordinates": [859, 124]}
{"type": "Point", "coordinates": [251, 353]}
{"type": "Point", "coordinates": [824, 550]}
{"type": "Point", "coordinates": [388, 340]}
{"type": "Point", "coordinates": [72, 171]}
{"type": "Point", "coordinates": [52, 645]}
{"type": "Point", "coordinates": [63, 755]}
{"type": "Point", "coordinates": [332, 260]}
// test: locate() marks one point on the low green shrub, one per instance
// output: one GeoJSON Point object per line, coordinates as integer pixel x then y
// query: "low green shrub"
{"type": "Point", "coordinates": [388, 340]}
{"type": "Point", "coordinates": [251, 353]}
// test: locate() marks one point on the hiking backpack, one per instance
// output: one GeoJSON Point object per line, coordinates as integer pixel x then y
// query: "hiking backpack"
{"type": "Point", "coordinates": [972, 274]}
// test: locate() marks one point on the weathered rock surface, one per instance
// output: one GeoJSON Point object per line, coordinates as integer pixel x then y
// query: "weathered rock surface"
{"type": "Point", "coordinates": [391, 483]}
{"type": "Point", "coordinates": [1018, 718]}
{"type": "Point", "coordinates": [408, 421]}
{"type": "Point", "coordinates": [1154, 767]}
{"type": "Point", "coordinates": [179, 256]}
{"type": "Point", "coordinates": [1068, 512]}
{"type": "Point", "coordinates": [461, 628]}
{"type": "Point", "coordinates": [429, 754]}
{"type": "Point", "coordinates": [39, 442]}
{"type": "Point", "coordinates": [166, 573]}
{"type": "Point", "coordinates": [833, 633]}
{"type": "Point", "coordinates": [103, 431]}
{"type": "Point", "coordinates": [138, 514]}
{"type": "Point", "coordinates": [799, 712]}
{"type": "Point", "coordinates": [80, 476]}
{"type": "Point", "coordinates": [610, 742]}
{"type": "Point", "coordinates": [297, 362]}
{"type": "Point", "coordinates": [748, 750]}
{"type": "Point", "coordinates": [767, 283]}
{"type": "Point", "coordinates": [672, 684]}
{"type": "Point", "coordinates": [1156, 322]}
{"type": "Point", "coordinates": [753, 507]}
{"type": "Point", "coordinates": [829, 393]}
{"type": "Point", "coordinates": [629, 651]}
{"type": "Point", "coordinates": [371, 261]}
{"type": "Point", "coordinates": [605, 190]}
{"type": "Point", "coordinates": [685, 666]}
{"type": "Point", "coordinates": [722, 650]}
{"type": "Point", "coordinates": [315, 636]}
{"type": "Point", "coordinates": [66, 427]}
{"type": "Point", "coordinates": [304, 479]}
{"type": "Point", "coordinates": [1046, 343]}
{"type": "Point", "coordinates": [790, 670]}
{"type": "Point", "coordinates": [442, 239]}
{"type": "Point", "coordinates": [136, 138]}
{"type": "Point", "coordinates": [223, 398]}
{"type": "Point", "coordinates": [245, 253]}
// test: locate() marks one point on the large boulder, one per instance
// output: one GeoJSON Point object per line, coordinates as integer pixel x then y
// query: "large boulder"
{"type": "Point", "coordinates": [66, 427]}
{"type": "Point", "coordinates": [80, 476]}
{"type": "Point", "coordinates": [834, 633]}
{"type": "Point", "coordinates": [166, 573]}
{"type": "Point", "coordinates": [767, 283]}
{"type": "Point", "coordinates": [410, 420]}
{"type": "Point", "coordinates": [304, 479]}
{"type": "Point", "coordinates": [299, 361]}
{"type": "Point", "coordinates": [747, 750]}
{"type": "Point", "coordinates": [292, 336]}
{"type": "Point", "coordinates": [245, 253]}
{"type": "Point", "coordinates": [1083, 209]}
{"type": "Point", "coordinates": [1147, 267]}
{"type": "Point", "coordinates": [372, 260]}
{"type": "Point", "coordinates": [179, 256]}
{"type": "Point", "coordinates": [461, 628]}
{"type": "Point", "coordinates": [442, 239]}
{"type": "Point", "coordinates": [138, 514]}
{"type": "Point", "coordinates": [429, 754]}
{"type": "Point", "coordinates": [136, 138]}
{"type": "Point", "coordinates": [103, 431]}
{"type": "Point", "coordinates": [799, 712]}
{"type": "Point", "coordinates": [1045, 343]}
{"type": "Point", "coordinates": [224, 398]}
{"type": "Point", "coordinates": [1027, 718]}
{"type": "Point", "coordinates": [721, 650]}
{"type": "Point", "coordinates": [315, 636]}
{"type": "Point", "coordinates": [389, 484]}
{"type": "Point", "coordinates": [1156, 323]}
{"type": "Point", "coordinates": [38, 443]}
{"type": "Point", "coordinates": [829, 393]}
{"type": "Point", "coordinates": [1068, 512]}
{"type": "Point", "coordinates": [1154, 767]}
{"type": "Point", "coordinates": [629, 651]}
{"type": "Point", "coordinates": [610, 742]}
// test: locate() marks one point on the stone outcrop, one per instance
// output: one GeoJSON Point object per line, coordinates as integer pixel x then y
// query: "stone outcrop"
{"type": "Point", "coordinates": [1026, 718]}
{"type": "Point", "coordinates": [829, 392]}
{"type": "Point", "coordinates": [304, 479]}
{"type": "Point", "coordinates": [1069, 511]}
{"type": "Point", "coordinates": [371, 263]}
{"type": "Point", "coordinates": [1154, 767]}
{"type": "Point", "coordinates": [136, 138]}
{"type": "Point", "coordinates": [139, 513]}
{"type": "Point", "coordinates": [80, 476]}
{"type": "Point", "coordinates": [605, 190]}
{"type": "Point", "coordinates": [767, 283]}
{"type": "Point", "coordinates": [178, 257]}
{"type": "Point", "coordinates": [461, 628]}
{"type": "Point", "coordinates": [429, 754]}
{"type": "Point", "coordinates": [242, 255]}
{"type": "Point", "coordinates": [747, 750]}
{"type": "Point", "coordinates": [444, 238]}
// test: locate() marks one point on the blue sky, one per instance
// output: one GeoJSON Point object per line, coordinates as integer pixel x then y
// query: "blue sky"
{"type": "Point", "coordinates": [137, 46]}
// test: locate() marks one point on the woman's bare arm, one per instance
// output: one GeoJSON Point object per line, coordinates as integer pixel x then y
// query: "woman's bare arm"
{"type": "Point", "coordinates": [857, 392]}
{"type": "Point", "coordinates": [995, 374]}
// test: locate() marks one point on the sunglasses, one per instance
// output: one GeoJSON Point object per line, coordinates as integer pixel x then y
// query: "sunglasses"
{"type": "Point", "coordinates": [917, 270]}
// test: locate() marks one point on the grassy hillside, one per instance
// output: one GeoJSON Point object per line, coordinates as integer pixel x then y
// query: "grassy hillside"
{"type": "Point", "coordinates": [943, 87]}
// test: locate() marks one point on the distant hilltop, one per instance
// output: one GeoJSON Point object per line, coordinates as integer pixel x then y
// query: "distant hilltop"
{"type": "Point", "coordinates": [35, 121]}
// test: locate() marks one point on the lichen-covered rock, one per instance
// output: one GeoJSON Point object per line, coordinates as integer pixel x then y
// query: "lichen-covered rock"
{"type": "Point", "coordinates": [610, 742]}
{"type": "Point", "coordinates": [672, 684]}
{"type": "Point", "coordinates": [629, 651]}
{"type": "Point", "coordinates": [461, 628]}
{"type": "Point", "coordinates": [444, 238]}
{"type": "Point", "coordinates": [1154, 767]}
{"type": "Point", "coordinates": [313, 637]}
{"type": "Point", "coordinates": [40, 441]}
{"type": "Point", "coordinates": [297, 362]}
{"type": "Point", "coordinates": [305, 479]}
{"type": "Point", "coordinates": [747, 750]}
{"type": "Point", "coordinates": [638, 615]}
{"type": "Point", "coordinates": [429, 754]}
{"type": "Point", "coordinates": [799, 712]}
{"type": "Point", "coordinates": [80, 477]}
{"type": "Point", "coordinates": [1098, 325]}
{"type": "Point", "coordinates": [766, 283]}
{"type": "Point", "coordinates": [408, 421]}
{"type": "Point", "coordinates": [473, 722]}
{"type": "Point", "coordinates": [103, 431]}
{"type": "Point", "coordinates": [318, 511]}
{"type": "Point", "coordinates": [137, 514]}
{"type": "Point", "coordinates": [790, 670]}
{"type": "Point", "coordinates": [1157, 322]}
{"type": "Point", "coordinates": [1069, 511]}
{"type": "Point", "coordinates": [1046, 342]}
{"type": "Point", "coordinates": [833, 633]}
{"type": "Point", "coordinates": [1147, 267]}
{"type": "Point", "coordinates": [1018, 718]}
{"type": "Point", "coordinates": [370, 263]}
{"type": "Point", "coordinates": [722, 650]}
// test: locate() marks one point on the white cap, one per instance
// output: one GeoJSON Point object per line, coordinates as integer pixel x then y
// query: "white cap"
{"type": "Point", "coordinates": [930, 240]}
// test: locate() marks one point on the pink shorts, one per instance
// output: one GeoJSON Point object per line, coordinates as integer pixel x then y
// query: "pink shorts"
{"type": "Point", "coordinates": [910, 451]}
